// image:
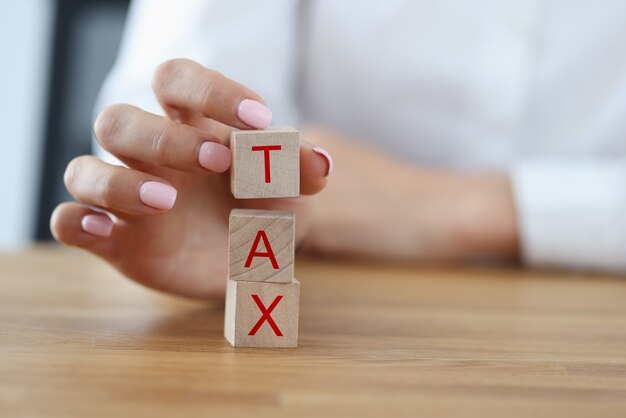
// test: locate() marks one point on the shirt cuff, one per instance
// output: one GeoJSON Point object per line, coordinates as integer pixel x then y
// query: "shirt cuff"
{"type": "Point", "coordinates": [571, 214]}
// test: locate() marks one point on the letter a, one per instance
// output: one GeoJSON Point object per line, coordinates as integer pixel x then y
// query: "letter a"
{"type": "Point", "coordinates": [261, 235]}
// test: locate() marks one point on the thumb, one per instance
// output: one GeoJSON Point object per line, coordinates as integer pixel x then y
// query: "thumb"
{"type": "Point", "coordinates": [316, 165]}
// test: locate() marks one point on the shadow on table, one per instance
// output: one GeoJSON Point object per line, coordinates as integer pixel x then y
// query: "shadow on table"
{"type": "Point", "coordinates": [196, 329]}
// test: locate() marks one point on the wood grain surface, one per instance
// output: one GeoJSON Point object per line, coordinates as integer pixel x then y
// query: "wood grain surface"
{"type": "Point", "coordinates": [77, 340]}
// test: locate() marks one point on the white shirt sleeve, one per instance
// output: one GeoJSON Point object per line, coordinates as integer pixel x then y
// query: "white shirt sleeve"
{"type": "Point", "coordinates": [572, 213]}
{"type": "Point", "coordinates": [252, 42]}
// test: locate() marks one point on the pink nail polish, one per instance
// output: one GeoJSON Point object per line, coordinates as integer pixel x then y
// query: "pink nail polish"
{"type": "Point", "coordinates": [214, 157]}
{"type": "Point", "coordinates": [254, 114]}
{"type": "Point", "coordinates": [329, 159]}
{"type": "Point", "coordinates": [157, 195]}
{"type": "Point", "coordinates": [98, 225]}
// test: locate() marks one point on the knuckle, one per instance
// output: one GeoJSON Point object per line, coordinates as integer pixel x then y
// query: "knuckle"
{"type": "Point", "coordinates": [162, 147]}
{"type": "Point", "coordinates": [210, 86]}
{"type": "Point", "coordinates": [107, 188]}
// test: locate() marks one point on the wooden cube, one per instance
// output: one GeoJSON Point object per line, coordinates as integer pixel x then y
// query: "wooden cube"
{"type": "Point", "coordinates": [262, 314]}
{"type": "Point", "coordinates": [261, 245]}
{"type": "Point", "coordinates": [266, 163]}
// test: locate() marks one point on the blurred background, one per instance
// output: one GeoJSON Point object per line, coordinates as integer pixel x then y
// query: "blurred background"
{"type": "Point", "coordinates": [56, 54]}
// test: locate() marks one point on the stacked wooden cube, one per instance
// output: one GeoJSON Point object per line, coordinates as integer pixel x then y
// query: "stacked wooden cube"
{"type": "Point", "coordinates": [262, 296]}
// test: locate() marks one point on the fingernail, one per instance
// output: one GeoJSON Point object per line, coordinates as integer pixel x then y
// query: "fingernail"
{"type": "Point", "coordinates": [98, 225]}
{"type": "Point", "coordinates": [215, 157]}
{"type": "Point", "coordinates": [157, 195]}
{"type": "Point", "coordinates": [254, 114]}
{"type": "Point", "coordinates": [329, 159]}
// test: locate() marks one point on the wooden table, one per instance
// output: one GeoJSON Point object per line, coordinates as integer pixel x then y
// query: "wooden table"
{"type": "Point", "coordinates": [77, 340]}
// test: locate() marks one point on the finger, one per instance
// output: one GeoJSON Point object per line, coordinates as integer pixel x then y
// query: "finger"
{"type": "Point", "coordinates": [316, 165]}
{"type": "Point", "coordinates": [79, 226]}
{"type": "Point", "coordinates": [211, 127]}
{"type": "Point", "coordinates": [185, 87]}
{"type": "Point", "coordinates": [130, 133]}
{"type": "Point", "coordinates": [119, 190]}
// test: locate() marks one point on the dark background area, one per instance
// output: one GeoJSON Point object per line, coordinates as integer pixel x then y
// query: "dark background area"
{"type": "Point", "coordinates": [86, 35]}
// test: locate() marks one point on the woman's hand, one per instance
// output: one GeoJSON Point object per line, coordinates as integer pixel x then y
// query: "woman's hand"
{"type": "Point", "coordinates": [171, 204]}
{"type": "Point", "coordinates": [378, 207]}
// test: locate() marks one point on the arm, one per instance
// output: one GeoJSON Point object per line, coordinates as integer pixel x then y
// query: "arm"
{"type": "Point", "coordinates": [377, 206]}
{"type": "Point", "coordinates": [546, 213]}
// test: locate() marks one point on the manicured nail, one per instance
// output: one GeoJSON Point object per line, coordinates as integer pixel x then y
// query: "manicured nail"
{"type": "Point", "coordinates": [98, 225]}
{"type": "Point", "coordinates": [214, 157]}
{"type": "Point", "coordinates": [157, 195]}
{"type": "Point", "coordinates": [254, 114]}
{"type": "Point", "coordinates": [329, 159]}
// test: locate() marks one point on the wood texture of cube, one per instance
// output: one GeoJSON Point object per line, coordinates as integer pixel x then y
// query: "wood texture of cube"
{"type": "Point", "coordinates": [244, 231]}
{"type": "Point", "coordinates": [249, 178]}
{"type": "Point", "coordinates": [246, 325]}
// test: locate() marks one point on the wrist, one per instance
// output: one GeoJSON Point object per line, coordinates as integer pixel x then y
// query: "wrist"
{"type": "Point", "coordinates": [487, 222]}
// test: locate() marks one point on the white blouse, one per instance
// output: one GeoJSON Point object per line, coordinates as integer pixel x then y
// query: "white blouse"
{"type": "Point", "coordinates": [537, 88]}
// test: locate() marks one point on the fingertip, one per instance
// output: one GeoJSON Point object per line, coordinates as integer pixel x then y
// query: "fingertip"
{"type": "Point", "coordinates": [63, 224]}
{"type": "Point", "coordinates": [157, 195]}
{"type": "Point", "coordinates": [79, 226]}
{"type": "Point", "coordinates": [98, 225]}
{"type": "Point", "coordinates": [329, 160]}
{"type": "Point", "coordinates": [254, 114]}
{"type": "Point", "coordinates": [55, 222]}
{"type": "Point", "coordinates": [215, 157]}
{"type": "Point", "coordinates": [315, 166]}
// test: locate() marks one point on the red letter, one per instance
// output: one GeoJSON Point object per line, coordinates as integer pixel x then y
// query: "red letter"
{"type": "Point", "coordinates": [254, 253]}
{"type": "Point", "coordinates": [265, 316]}
{"type": "Point", "coordinates": [266, 157]}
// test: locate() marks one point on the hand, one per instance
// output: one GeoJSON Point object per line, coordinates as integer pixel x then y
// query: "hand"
{"type": "Point", "coordinates": [378, 207]}
{"type": "Point", "coordinates": [171, 204]}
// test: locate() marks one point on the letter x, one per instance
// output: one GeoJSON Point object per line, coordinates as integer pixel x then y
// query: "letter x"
{"type": "Point", "coordinates": [266, 316]}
